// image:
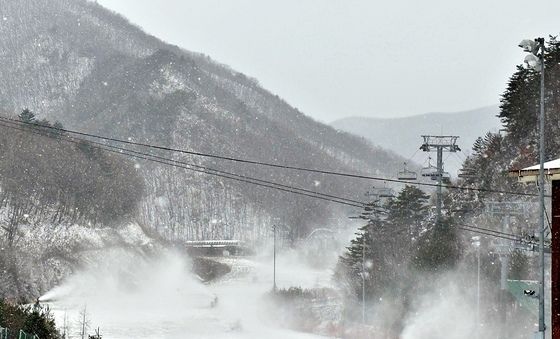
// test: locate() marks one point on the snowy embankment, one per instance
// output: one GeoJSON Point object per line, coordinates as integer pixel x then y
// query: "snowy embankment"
{"type": "Point", "coordinates": [44, 254]}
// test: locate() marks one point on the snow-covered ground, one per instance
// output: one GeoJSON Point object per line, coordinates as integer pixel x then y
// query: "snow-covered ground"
{"type": "Point", "coordinates": [130, 297]}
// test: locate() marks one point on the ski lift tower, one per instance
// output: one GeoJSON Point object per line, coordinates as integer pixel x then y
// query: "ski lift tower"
{"type": "Point", "coordinates": [439, 144]}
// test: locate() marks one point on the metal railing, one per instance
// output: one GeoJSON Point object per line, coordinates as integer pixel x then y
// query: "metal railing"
{"type": "Point", "coordinates": [3, 333]}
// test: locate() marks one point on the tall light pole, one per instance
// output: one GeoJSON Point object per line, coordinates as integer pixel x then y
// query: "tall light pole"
{"type": "Point", "coordinates": [274, 259]}
{"type": "Point", "coordinates": [476, 243]}
{"type": "Point", "coordinates": [536, 61]}
{"type": "Point", "coordinates": [363, 279]}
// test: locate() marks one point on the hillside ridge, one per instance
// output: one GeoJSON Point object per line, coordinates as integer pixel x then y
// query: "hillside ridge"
{"type": "Point", "coordinates": [79, 63]}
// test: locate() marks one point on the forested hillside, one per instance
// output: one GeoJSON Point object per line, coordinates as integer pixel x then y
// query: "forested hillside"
{"type": "Point", "coordinates": [48, 182]}
{"type": "Point", "coordinates": [74, 61]}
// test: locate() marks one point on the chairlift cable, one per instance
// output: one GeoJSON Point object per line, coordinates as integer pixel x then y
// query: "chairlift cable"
{"type": "Point", "coordinates": [201, 169]}
{"type": "Point", "coordinates": [274, 165]}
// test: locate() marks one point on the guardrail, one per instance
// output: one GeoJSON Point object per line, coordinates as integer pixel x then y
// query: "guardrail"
{"type": "Point", "coordinates": [22, 334]}
{"type": "Point", "coordinates": [213, 243]}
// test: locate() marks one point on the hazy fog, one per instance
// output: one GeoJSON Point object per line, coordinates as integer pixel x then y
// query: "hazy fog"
{"type": "Point", "coordinates": [334, 59]}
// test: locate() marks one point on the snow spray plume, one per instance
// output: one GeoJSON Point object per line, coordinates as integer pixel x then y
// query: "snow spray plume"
{"type": "Point", "coordinates": [124, 288]}
{"type": "Point", "coordinates": [131, 296]}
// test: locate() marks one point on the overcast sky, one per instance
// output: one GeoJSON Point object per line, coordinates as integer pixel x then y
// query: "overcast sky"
{"type": "Point", "coordinates": [339, 58]}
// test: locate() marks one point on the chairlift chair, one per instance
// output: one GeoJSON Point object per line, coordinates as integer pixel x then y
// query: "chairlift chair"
{"type": "Point", "coordinates": [430, 171]}
{"type": "Point", "coordinates": [405, 174]}
{"type": "Point", "coordinates": [385, 192]}
{"type": "Point", "coordinates": [466, 173]}
{"type": "Point", "coordinates": [445, 177]}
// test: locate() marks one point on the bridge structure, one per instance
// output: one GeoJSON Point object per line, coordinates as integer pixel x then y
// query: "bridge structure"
{"type": "Point", "coordinates": [217, 247]}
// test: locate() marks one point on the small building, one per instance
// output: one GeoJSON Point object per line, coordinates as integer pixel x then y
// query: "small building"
{"type": "Point", "coordinates": [531, 174]}
{"type": "Point", "coordinates": [552, 175]}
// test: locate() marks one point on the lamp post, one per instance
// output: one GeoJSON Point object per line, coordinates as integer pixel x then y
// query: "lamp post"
{"type": "Point", "coordinates": [534, 60]}
{"type": "Point", "coordinates": [274, 259]}
{"type": "Point", "coordinates": [476, 243]}
{"type": "Point", "coordinates": [363, 279]}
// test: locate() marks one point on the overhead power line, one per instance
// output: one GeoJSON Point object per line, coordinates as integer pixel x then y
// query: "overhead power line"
{"type": "Point", "coordinates": [38, 129]}
{"type": "Point", "coordinates": [487, 233]}
{"type": "Point", "coordinates": [268, 164]}
{"type": "Point", "coordinates": [490, 230]}
{"type": "Point", "coordinates": [496, 234]}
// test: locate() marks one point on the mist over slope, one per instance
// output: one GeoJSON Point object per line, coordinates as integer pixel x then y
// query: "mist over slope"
{"type": "Point", "coordinates": [402, 135]}
{"type": "Point", "coordinates": [74, 61]}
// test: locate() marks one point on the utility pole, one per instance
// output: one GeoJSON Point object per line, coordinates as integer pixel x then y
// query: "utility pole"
{"type": "Point", "coordinates": [503, 252]}
{"type": "Point", "coordinates": [65, 325]}
{"type": "Point", "coordinates": [535, 60]}
{"type": "Point", "coordinates": [476, 243]}
{"type": "Point", "coordinates": [363, 279]}
{"type": "Point", "coordinates": [478, 290]}
{"type": "Point", "coordinates": [439, 143]}
{"type": "Point", "coordinates": [84, 323]}
{"type": "Point", "coordinates": [274, 259]}
{"type": "Point", "coordinates": [542, 326]}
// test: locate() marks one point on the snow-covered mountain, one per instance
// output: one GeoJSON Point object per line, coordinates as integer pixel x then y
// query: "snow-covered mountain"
{"type": "Point", "coordinates": [402, 135]}
{"type": "Point", "coordinates": [75, 61]}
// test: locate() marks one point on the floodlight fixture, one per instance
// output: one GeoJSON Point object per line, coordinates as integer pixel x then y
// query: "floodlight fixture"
{"type": "Point", "coordinates": [530, 46]}
{"type": "Point", "coordinates": [532, 62]}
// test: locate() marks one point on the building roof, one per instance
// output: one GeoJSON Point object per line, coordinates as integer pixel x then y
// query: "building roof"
{"type": "Point", "coordinates": [553, 164]}
{"type": "Point", "coordinates": [531, 173]}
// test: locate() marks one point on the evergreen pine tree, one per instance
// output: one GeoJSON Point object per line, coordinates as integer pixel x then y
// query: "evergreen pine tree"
{"type": "Point", "coordinates": [409, 209]}
{"type": "Point", "coordinates": [27, 116]}
{"type": "Point", "coordinates": [439, 249]}
{"type": "Point", "coordinates": [383, 244]}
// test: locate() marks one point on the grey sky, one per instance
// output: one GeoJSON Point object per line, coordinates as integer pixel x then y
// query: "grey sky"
{"type": "Point", "coordinates": [338, 58]}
